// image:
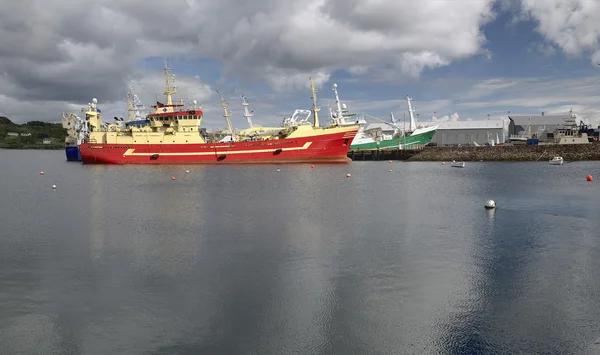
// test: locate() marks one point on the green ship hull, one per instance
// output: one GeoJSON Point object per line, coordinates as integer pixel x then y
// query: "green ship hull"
{"type": "Point", "coordinates": [401, 142]}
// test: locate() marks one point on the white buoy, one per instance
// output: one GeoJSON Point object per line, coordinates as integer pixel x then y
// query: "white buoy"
{"type": "Point", "coordinates": [54, 187]}
{"type": "Point", "coordinates": [490, 204]}
{"type": "Point", "coordinates": [278, 170]}
{"type": "Point", "coordinates": [187, 171]}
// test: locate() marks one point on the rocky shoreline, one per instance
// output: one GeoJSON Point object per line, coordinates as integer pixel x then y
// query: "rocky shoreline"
{"type": "Point", "coordinates": [570, 152]}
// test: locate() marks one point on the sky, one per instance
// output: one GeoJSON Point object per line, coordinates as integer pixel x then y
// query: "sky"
{"type": "Point", "coordinates": [462, 59]}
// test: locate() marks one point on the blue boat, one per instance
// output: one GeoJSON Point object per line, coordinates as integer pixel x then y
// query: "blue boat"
{"type": "Point", "coordinates": [77, 131]}
{"type": "Point", "coordinates": [72, 152]}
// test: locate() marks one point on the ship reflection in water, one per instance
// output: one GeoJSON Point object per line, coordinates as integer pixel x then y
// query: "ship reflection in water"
{"type": "Point", "coordinates": [248, 259]}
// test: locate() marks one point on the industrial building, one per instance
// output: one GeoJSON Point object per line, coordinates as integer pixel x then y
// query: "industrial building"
{"type": "Point", "coordinates": [527, 125]}
{"type": "Point", "coordinates": [452, 133]}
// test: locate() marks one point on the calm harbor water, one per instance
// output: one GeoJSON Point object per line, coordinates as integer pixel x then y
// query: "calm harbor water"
{"type": "Point", "coordinates": [249, 260]}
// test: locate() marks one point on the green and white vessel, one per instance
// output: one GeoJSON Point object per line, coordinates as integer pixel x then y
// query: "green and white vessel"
{"type": "Point", "coordinates": [373, 138]}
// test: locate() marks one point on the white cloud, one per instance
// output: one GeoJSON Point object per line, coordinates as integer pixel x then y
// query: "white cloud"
{"type": "Point", "coordinates": [573, 25]}
{"type": "Point", "coordinates": [545, 49]}
{"type": "Point", "coordinates": [65, 51]}
{"type": "Point", "coordinates": [537, 95]}
{"type": "Point", "coordinates": [452, 117]}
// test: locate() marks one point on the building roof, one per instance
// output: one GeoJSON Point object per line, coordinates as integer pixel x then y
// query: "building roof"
{"type": "Point", "coordinates": [524, 120]}
{"type": "Point", "coordinates": [464, 124]}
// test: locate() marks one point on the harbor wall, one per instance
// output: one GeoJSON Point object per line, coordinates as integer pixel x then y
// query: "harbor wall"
{"type": "Point", "coordinates": [570, 152]}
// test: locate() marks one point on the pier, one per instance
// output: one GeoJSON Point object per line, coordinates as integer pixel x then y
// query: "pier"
{"type": "Point", "coordinates": [570, 152]}
{"type": "Point", "coordinates": [382, 154]}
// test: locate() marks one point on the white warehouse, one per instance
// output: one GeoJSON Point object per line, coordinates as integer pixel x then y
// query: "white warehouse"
{"type": "Point", "coordinates": [468, 132]}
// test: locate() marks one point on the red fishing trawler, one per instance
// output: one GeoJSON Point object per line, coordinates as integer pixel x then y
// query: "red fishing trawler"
{"type": "Point", "coordinates": [172, 135]}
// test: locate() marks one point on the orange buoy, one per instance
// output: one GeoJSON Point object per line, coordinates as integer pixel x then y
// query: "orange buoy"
{"type": "Point", "coordinates": [589, 178]}
{"type": "Point", "coordinates": [41, 173]}
{"type": "Point", "coordinates": [312, 166]}
{"type": "Point", "coordinates": [172, 177]}
{"type": "Point", "coordinates": [390, 161]}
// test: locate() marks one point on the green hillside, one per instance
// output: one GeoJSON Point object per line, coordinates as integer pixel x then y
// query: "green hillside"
{"type": "Point", "coordinates": [31, 135]}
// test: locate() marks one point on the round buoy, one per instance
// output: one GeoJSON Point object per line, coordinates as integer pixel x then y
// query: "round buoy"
{"type": "Point", "coordinates": [312, 166]}
{"type": "Point", "coordinates": [589, 178]}
{"type": "Point", "coordinates": [54, 187]}
{"type": "Point", "coordinates": [443, 163]}
{"type": "Point", "coordinates": [172, 177]}
{"type": "Point", "coordinates": [390, 161]}
{"type": "Point", "coordinates": [278, 170]}
{"type": "Point", "coordinates": [390, 170]}
{"type": "Point", "coordinates": [490, 204]}
{"type": "Point", "coordinates": [187, 171]}
{"type": "Point", "coordinates": [41, 173]}
{"type": "Point", "coordinates": [348, 175]}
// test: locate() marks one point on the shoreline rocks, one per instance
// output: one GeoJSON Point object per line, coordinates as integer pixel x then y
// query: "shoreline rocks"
{"type": "Point", "coordinates": [570, 152]}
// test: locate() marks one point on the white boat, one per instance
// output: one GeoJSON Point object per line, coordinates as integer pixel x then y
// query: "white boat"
{"type": "Point", "coordinates": [557, 160]}
{"type": "Point", "coordinates": [458, 164]}
{"type": "Point", "coordinates": [384, 135]}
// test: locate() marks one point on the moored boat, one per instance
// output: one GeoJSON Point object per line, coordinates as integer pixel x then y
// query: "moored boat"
{"type": "Point", "coordinates": [372, 138]}
{"type": "Point", "coordinates": [458, 164]}
{"type": "Point", "coordinates": [77, 131]}
{"type": "Point", "coordinates": [173, 136]}
{"type": "Point", "coordinates": [557, 160]}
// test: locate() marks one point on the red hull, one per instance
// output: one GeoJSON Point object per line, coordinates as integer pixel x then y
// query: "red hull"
{"type": "Point", "coordinates": [329, 148]}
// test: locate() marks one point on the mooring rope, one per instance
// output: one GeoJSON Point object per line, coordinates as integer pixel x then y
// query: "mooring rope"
{"type": "Point", "coordinates": [540, 157]}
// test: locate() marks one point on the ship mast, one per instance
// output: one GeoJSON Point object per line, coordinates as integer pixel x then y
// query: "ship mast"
{"type": "Point", "coordinates": [169, 90]}
{"type": "Point", "coordinates": [338, 104]}
{"type": "Point", "coordinates": [314, 97]}
{"type": "Point", "coordinates": [226, 113]}
{"type": "Point", "coordinates": [247, 113]}
{"type": "Point", "coordinates": [135, 108]}
{"type": "Point", "coordinates": [411, 111]}
{"type": "Point", "coordinates": [130, 108]}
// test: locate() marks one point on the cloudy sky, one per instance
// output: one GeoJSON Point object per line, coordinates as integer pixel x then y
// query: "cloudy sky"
{"type": "Point", "coordinates": [470, 58]}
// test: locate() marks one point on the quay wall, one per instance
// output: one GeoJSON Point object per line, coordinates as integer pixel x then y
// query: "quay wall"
{"type": "Point", "coordinates": [570, 152]}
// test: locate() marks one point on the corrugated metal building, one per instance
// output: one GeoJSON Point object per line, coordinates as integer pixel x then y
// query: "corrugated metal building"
{"type": "Point", "coordinates": [540, 125]}
{"type": "Point", "coordinates": [468, 132]}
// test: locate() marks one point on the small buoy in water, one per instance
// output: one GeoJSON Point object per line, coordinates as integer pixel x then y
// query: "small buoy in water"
{"type": "Point", "coordinates": [490, 204]}
{"type": "Point", "coordinates": [54, 187]}
{"type": "Point", "coordinates": [187, 171]}
{"type": "Point", "coordinates": [172, 177]}
{"type": "Point", "coordinates": [278, 170]}
{"type": "Point", "coordinates": [589, 178]}
{"type": "Point", "coordinates": [443, 163]}
{"type": "Point", "coordinates": [41, 173]}
{"type": "Point", "coordinates": [312, 166]}
{"type": "Point", "coordinates": [390, 170]}
{"type": "Point", "coordinates": [390, 161]}
{"type": "Point", "coordinates": [348, 175]}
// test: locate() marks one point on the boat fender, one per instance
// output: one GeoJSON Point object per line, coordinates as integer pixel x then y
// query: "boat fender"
{"type": "Point", "coordinates": [154, 156]}
{"type": "Point", "coordinates": [222, 157]}
{"type": "Point", "coordinates": [277, 151]}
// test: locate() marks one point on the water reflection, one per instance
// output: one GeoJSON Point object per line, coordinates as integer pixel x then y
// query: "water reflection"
{"type": "Point", "coordinates": [251, 260]}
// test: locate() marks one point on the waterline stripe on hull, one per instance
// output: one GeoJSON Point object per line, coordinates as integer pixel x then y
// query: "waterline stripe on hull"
{"type": "Point", "coordinates": [130, 152]}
